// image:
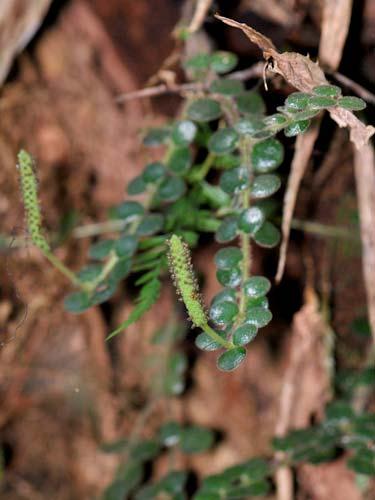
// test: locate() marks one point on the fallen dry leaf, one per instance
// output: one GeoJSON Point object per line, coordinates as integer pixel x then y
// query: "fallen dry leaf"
{"type": "Point", "coordinates": [264, 43]}
{"type": "Point", "coordinates": [304, 74]}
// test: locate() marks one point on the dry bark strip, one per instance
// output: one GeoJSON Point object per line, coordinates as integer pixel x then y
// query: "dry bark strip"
{"type": "Point", "coordinates": [306, 385]}
{"type": "Point", "coordinates": [19, 20]}
{"type": "Point", "coordinates": [303, 150]}
{"type": "Point", "coordinates": [200, 13]}
{"type": "Point", "coordinates": [335, 25]}
{"type": "Point", "coordinates": [364, 169]}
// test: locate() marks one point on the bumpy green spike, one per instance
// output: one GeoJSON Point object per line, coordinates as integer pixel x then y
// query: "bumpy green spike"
{"type": "Point", "coordinates": [29, 188]}
{"type": "Point", "coordinates": [185, 281]}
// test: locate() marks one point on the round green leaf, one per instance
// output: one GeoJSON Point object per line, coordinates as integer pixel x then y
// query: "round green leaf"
{"type": "Point", "coordinates": [136, 186]}
{"type": "Point", "coordinates": [256, 286]}
{"type": "Point", "coordinates": [184, 132]}
{"type": "Point", "coordinates": [169, 433]}
{"type": "Point", "coordinates": [267, 155]}
{"type": "Point", "coordinates": [204, 110]}
{"type": "Point", "coordinates": [327, 90]}
{"type": "Point", "coordinates": [321, 102]}
{"type": "Point", "coordinates": [231, 359]}
{"type": "Point", "coordinates": [77, 302]}
{"type": "Point", "coordinates": [174, 483]}
{"type": "Point", "coordinates": [258, 316]}
{"type": "Point", "coordinates": [206, 343]}
{"type": "Point", "coordinates": [174, 380]}
{"type": "Point", "coordinates": [180, 160]}
{"type": "Point", "coordinates": [250, 103]}
{"type": "Point", "coordinates": [263, 134]}
{"type": "Point", "coordinates": [171, 189]}
{"type": "Point", "coordinates": [251, 220]}
{"type": "Point", "coordinates": [127, 210]}
{"type": "Point", "coordinates": [150, 224]}
{"type": "Point", "coordinates": [101, 249]}
{"type": "Point", "coordinates": [89, 273]}
{"type": "Point", "coordinates": [244, 334]}
{"type": "Point", "coordinates": [226, 295]}
{"type": "Point", "coordinates": [227, 87]}
{"type": "Point", "coordinates": [297, 101]}
{"type": "Point", "coordinates": [103, 292]}
{"type": "Point", "coordinates": [126, 246]}
{"type": "Point", "coordinates": [274, 120]}
{"type": "Point", "coordinates": [228, 257]}
{"type": "Point", "coordinates": [223, 141]}
{"type": "Point", "coordinates": [363, 462]}
{"type": "Point", "coordinates": [268, 235]}
{"type": "Point", "coordinates": [259, 302]}
{"type": "Point", "coordinates": [156, 137]}
{"type": "Point", "coordinates": [145, 450]}
{"type": "Point", "coordinates": [352, 103]}
{"type": "Point", "coordinates": [297, 128]}
{"type": "Point", "coordinates": [234, 180]}
{"type": "Point", "coordinates": [200, 62]}
{"type": "Point", "coordinates": [153, 172]}
{"type": "Point", "coordinates": [196, 439]}
{"type": "Point", "coordinates": [227, 230]}
{"type": "Point", "coordinates": [264, 186]}
{"type": "Point", "coordinates": [229, 277]}
{"type": "Point", "coordinates": [248, 126]}
{"type": "Point", "coordinates": [120, 271]}
{"type": "Point", "coordinates": [223, 62]}
{"type": "Point", "coordinates": [224, 313]}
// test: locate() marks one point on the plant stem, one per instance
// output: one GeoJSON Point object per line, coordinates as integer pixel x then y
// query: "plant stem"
{"type": "Point", "coordinates": [108, 267]}
{"type": "Point", "coordinates": [63, 269]}
{"type": "Point", "coordinates": [216, 337]}
{"type": "Point", "coordinates": [245, 148]}
{"type": "Point", "coordinates": [113, 258]}
{"type": "Point", "coordinates": [201, 173]}
{"type": "Point", "coordinates": [99, 228]}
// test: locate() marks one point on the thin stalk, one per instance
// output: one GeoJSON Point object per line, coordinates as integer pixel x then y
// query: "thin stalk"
{"type": "Point", "coordinates": [99, 228]}
{"type": "Point", "coordinates": [113, 258]}
{"type": "Point", "coordinates": [108, 267]}
{"type": "Point", "coordinates": [63, 269]}
{"type": "Point", "coordinates": [201, 173]}
{"type": "Point", "coordinates": [216, 337]}
{"type": "Point", "coordinates": [245, 148]}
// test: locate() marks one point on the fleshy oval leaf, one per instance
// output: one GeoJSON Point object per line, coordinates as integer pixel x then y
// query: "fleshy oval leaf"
{"type": "Point", "coordinates": [231, 359]}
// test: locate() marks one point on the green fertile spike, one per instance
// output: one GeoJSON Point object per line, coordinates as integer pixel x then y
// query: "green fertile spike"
{"type": "Point", "coordinates": [29, 188]}
{"type": "Point", "coordinates": [185, 281]}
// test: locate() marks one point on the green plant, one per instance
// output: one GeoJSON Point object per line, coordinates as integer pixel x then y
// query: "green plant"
{"type": "Point", "coordinates": [224, 130]}
{"type": "Point", "coordinates": [217, 176]}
